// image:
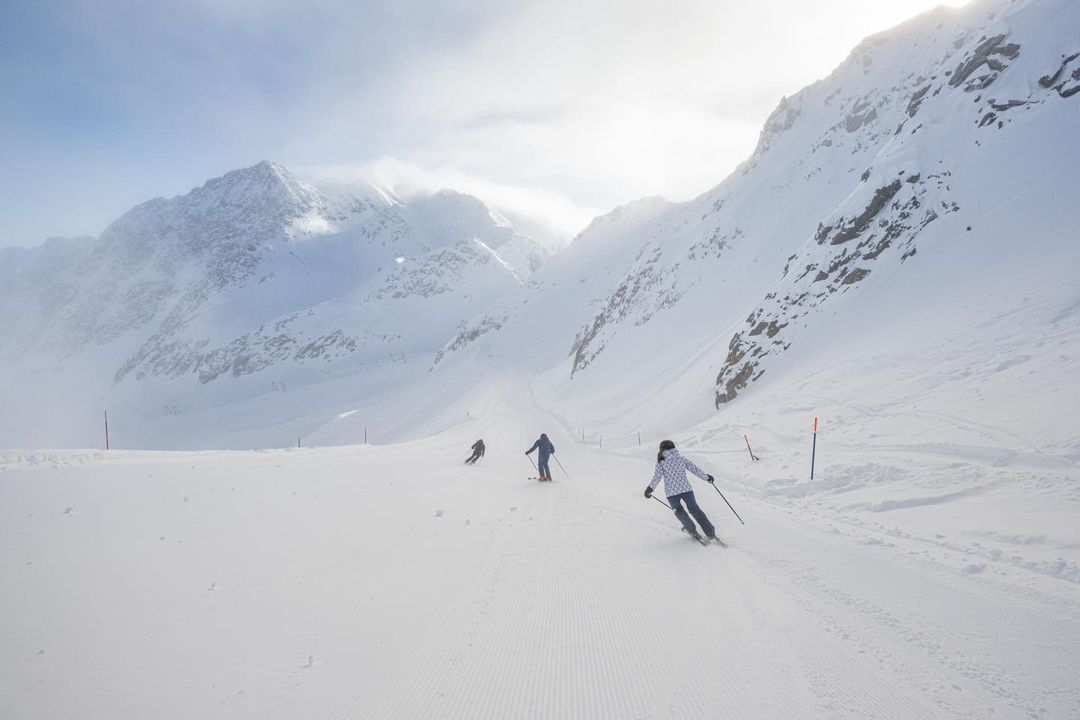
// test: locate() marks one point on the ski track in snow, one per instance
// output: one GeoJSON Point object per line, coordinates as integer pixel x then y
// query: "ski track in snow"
{"type": "Point", "coordinates": [397, 592]}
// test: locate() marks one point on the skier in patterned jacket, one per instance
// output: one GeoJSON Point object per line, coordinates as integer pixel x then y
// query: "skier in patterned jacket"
{"type": "Point", "coordinates": [545, 449]}
{"type": "Point", "coordinates": [672, 467]}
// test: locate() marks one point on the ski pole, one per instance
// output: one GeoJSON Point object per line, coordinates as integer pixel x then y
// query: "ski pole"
{"type": "Point", "coordinates": [725, 500]}
{"type": "Point", "coordinates": [661, 502]}
{"type": "Point", "coordinates": [532, 463]}
{"type": "Point", "coordinates": [561, 467]}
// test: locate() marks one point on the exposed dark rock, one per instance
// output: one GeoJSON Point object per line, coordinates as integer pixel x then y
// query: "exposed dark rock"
{"type": "Point", "coordinates": [881, 196]}
{"type": "Point", "coordinates": [989, 53]}
{"type": "Point", "coordinates": [1047, 81]}
{"type": "Point", "coordinates": [889, 221]}
{"type": "Point", "coordinates": [878, 249]}
{"type": "Point", "coordinates": [770, 328]}
{"type": "Point", "coordinates": [644, 291]}
{"type": "Point", "coordinates": [1008, 105]}
{"type": "Point", "coordinates": [736, 383]}
{"type": "Point", "coordinates": [735, 351]}
{"type": "Point", "coordinates": [862, 114]}
{"type": "Point", "coordinates": [916, 100]}
{"type": "Point", "coordinates": [855, 276]}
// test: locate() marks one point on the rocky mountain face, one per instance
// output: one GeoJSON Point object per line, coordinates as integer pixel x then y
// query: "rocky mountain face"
{"type": "Point", "coordinates": [914, 169]}
{"type": "Point", "coordinates": [909, 149]}
{"type": "Point", "coordinates": [850, 178]}
{"type": "Point", "coordinates": [898, 110]}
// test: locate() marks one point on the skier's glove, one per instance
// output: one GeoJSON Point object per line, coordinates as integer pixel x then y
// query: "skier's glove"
{"type": "Point", "coordinates": [648, 492]}
{"type": "Point", "coordinates": [710, 478]}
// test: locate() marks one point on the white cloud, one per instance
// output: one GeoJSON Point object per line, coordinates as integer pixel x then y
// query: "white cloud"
{"type": "Point", "coordinates": [560, 108]}
{"type": "Point", "coordinates": [550, 212]}
{"type": "Point", "coordinates": [600, 102]}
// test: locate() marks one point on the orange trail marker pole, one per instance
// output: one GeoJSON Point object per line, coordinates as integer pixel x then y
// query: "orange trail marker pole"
{"type": "Point", "coordinates": [813, 451]}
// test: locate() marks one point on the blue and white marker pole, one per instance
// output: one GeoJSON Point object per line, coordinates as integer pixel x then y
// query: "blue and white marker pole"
{"type": "Point", "coordinates": [813, 451]}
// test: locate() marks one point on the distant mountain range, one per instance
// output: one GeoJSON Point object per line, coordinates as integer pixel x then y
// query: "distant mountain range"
{"type": "Point", "coordinates": [948, 132]}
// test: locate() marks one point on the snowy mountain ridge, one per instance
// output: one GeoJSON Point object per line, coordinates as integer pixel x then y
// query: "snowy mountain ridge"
{"type": "Point", "coordinates": [255, 273]}
{"type": "Point", "coordinates": [868, 336]}
{"type": "Point", "coordinates": [881, 176]}
{"type": "Point", "coordinates": [892, 184]}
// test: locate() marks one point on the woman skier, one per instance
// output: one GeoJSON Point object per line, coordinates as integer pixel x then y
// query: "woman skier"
{"type": "Point", "coordinates": [545, 449]}
{"type": "Point", "coordinates": [672, 467]}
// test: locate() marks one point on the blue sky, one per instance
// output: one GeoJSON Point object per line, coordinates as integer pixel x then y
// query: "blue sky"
{"type": "Point", "coordinates": [560, 108]}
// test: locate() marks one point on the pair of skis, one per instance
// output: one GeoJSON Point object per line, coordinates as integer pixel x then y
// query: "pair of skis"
{"type": "Point", "coordinates": [706, 542]}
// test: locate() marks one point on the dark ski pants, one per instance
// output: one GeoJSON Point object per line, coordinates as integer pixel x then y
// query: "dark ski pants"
{"type": "Point", "coordinates": [542, 463]}
{"type": "Point", "coordinates": [676, 502]}
{"type": "Point", "coordinates": [475, 456]}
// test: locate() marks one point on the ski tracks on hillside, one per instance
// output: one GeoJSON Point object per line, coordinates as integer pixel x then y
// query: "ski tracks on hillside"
{"type": "Point", "coordinates": [581, 614]}
{"type": "Point", "coordinates": [953, 646]}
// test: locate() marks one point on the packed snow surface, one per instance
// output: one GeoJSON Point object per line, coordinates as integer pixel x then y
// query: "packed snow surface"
{"type": "Point", "coordinates": [898, 258]}
{"type": "Point", "coordinates": [908, 580]}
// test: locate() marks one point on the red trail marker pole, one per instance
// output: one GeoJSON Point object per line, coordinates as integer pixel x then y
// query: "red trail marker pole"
{"type": "Point", "coordinates": [752, 455]}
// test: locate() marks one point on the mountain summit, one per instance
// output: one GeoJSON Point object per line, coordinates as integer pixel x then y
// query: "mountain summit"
{"type": "Point", "coordinates": [880, 202]}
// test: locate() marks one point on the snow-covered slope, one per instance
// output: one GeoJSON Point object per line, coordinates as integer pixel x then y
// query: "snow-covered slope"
{"type": "Point", "coordinates": [925, 173]}
{"type": "Point", "coordinates": [922, 177]}
{"type": "Point", "coordinates": [394, 582]}
{"type": "Point", "coordinates": [898, 258]}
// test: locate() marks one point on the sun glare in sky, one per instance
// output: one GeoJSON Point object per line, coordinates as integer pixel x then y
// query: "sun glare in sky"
{"type": "Point", "coordinates": [554, 109]}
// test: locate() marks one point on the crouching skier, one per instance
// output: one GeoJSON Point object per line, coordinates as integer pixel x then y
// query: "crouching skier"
{"type": "Point", "coordinates": [672, 467]}
{"type": "Point", "coordinates": [477, 452]}
{"type": "Point", "coordinates": [544, 448]}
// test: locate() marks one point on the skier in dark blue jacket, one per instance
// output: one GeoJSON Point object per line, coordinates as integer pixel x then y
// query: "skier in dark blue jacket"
{"type": "Point", "coordinates": [478, 450]}
{"type": "Point", "coordinates": [545, 448]}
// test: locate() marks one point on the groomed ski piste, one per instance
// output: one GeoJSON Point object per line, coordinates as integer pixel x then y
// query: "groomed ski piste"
{"type": "Point", "coordinates": [929, 569]}
{"type": "Point", "coordinates": [394, 581]}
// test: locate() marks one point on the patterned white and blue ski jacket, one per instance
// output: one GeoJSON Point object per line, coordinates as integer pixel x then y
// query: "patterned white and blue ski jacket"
{"type": "Point", "coordinates": [673, 469]}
